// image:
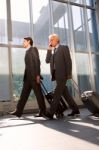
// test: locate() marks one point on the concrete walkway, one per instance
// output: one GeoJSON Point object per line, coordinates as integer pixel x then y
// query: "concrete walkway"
{"type": "Point", "coordinates": [29, 133]}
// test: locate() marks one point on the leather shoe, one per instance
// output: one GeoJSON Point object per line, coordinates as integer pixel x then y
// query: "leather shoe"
{"type": "Point", "coordinates": [15, 113]}
{"type": "Point", "coordinates": [74, 114]}
{"type": "Point", "coordinates": [39, 115]}
{"type": "Point", "coordinates": [59, 116]}
{"type": "Point", "coordinates": [49, 115]}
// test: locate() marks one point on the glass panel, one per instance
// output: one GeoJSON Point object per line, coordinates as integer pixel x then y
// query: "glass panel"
{"type": "Point", "coordinates": [83, 73]}
{"type": "Point", "coordinates": [4, 75]}
{"type": "Point", "coordinates": [60, 21]}
{"type": "Point", "coordinates": [93, 33]}
{"type": "Point", "coordinates": [79, 28]}
{"type": "Point", "coordinates": [96, 71]}
{"type": "Point", "coordinates": [45, 71]}
{"type": "Point", "coordinates": [77, 1]}
{"type": "Point", "coordinates": [20, 20]}
{"type": "Point", "coordinates": [90, 2]}
{"type": "Point", "coordinates": [18, 70]}
{"type": "Point", "coordinates": [3, 22]}
{"type": "Point", "coordinates": [41, 22]}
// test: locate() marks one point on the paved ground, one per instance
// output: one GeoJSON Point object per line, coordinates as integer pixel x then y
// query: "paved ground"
{"type": "Point", "coordinates": [29, 133]}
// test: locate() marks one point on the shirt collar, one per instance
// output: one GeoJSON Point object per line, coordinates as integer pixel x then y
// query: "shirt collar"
{"type": "Point", "coordinates": [28, 47]}
{"type": "Point", "coordinates": [57, 46]}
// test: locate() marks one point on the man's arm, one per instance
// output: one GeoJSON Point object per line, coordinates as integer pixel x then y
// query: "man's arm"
{"type": "Point", "coordinates": [48, 56]}
{"type": "Point", "coordinates": [34, 64]}
{"type": "Point", "coordinates": [68, 61]}
{"type": "Point", "coordinates": [37, 60]}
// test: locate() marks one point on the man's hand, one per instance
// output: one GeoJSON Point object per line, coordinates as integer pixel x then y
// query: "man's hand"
{"type": "Point", "coordinates": [50, 47]}
{"type": "Point", "coordinates": [38, 79]}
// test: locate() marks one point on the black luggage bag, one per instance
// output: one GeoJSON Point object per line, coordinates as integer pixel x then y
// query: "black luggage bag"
{"type": "Point", "coordinates": [49, 97]}
{"type": "Point", "coordinates": [91, 101]}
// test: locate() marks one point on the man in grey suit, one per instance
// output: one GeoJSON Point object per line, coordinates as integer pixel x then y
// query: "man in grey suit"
{"type": "Point", "coordinates": [31, 79]}
{"type": "Point", "coordinates": [61, 69]}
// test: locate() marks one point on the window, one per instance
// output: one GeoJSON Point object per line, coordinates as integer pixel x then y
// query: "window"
{"type": "Point", "coordinates": [20, 20]}
{"type": "Point", "coordinates": [3, 22]}
{"type": "Point", "coordinates": [41, 22]}
{"type": "Point", "coordinates": [79, 28]}
{"type": "Point", "coordinates": [60, 21]}
{"type": "Point", "coordinates": [4, 75]}
{"type": "Point", "coordinates": [96, 70]}
{"type": "Point", "coordinates": [93, 34]}
{"type": "Point", "coordinates": [83, 71]}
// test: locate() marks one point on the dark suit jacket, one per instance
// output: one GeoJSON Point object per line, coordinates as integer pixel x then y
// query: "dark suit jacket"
{"type": "Point", "coordinates": [32, 64]}
{"type": "Point", "coordinates": [62, 60]}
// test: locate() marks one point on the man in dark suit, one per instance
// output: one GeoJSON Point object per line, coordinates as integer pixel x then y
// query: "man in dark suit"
{"type": "Point", "coordinates": [31, 79]}
{"type": "Point", "coordinates": [61, 69]}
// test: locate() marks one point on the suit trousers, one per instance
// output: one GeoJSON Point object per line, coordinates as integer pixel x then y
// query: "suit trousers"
{"type": "Point", "coordinates": [62, 90]}
{"type": "Point", "coordinates": [27, 87]}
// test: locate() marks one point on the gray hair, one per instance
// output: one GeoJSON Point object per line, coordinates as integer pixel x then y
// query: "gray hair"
{"type": "Point", "coordinates": [54, 36]}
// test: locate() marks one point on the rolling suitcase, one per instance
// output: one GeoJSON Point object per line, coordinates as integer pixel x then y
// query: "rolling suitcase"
{"type": "Point", "coordinates": [91, 101]}
{"type": "Point", "coordinates": [49, 97]}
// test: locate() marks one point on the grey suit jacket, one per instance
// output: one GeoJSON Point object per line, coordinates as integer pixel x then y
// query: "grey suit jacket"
{"type": "Point", "coordinates": [32, 64]}
{"type": "Point", "coordinates": [62, 61]}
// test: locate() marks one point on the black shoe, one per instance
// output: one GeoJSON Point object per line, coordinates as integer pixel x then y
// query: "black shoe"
{"type": "Point", "coordinates": [96, 114]}
{"type": "Point", "coordinates": [39, 115]}
{"type": "Point", "coordinates": [48, 115]}
{"type": "Point", "coordinates": [58, 116]}
{"type": "Point", "coordinates": [15, 113]}
{"type": "Point", "coordinates": [74, 114]}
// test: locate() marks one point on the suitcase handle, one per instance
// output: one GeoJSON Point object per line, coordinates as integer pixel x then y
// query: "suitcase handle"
{"type": "Point", "coordinates": [77, 89]}
{"type": "Point", "coordinates": [43, 88]}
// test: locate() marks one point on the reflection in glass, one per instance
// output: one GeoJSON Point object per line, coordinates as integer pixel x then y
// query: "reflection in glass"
{"type": "Point", "coordinates": [79, 28]}
{"type": "Point", "coordinates": [20, 20]}
{"type": "Point", "coordinates": [18, 70]}
{"type": "Point", "coordinates": [90, 2]}
{"type": "Point", "coordinates": [4, 75]}
{"type": "Point", "coordinates": [77, 1]}
{"type": "Point", "coordinates": [3, 22]}
{"type": "Point", "coordinates": [45, 71]}
{"type": "Point", "coordinates": [41, 22]}
{"type": "Point", "coordinates": [96, 71]}
{"type": "Point", "coordinates": [60, 21]}
{"type": "Point", "coordinates": [83, 73]}
{"type": "Point", "coordinates": [93, 34]}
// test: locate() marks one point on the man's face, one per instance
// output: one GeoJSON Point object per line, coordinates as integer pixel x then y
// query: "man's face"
{"type": "Point", "coordinates": [26, 43]}
{"type": "Point", "coordinates": [53, 41]}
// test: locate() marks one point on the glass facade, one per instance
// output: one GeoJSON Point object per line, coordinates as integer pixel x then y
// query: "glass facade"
{"type": "Point", "coordinates": [79, 28]}
{"type": "Point", "coordinates": [93, 33]}
{"type": "Point", "coordinates": [83, 71]}
{"type": "Point", "coordinates": [3, 22]}
{"type": "Point", "coordinates": [96, 70]}
{"type": "Point", "coordinates": [4, 75]}
{"type": "Point", "coordinates": [20, 20]}
{"type": "Point", "coordinates": [17, 71]}
{"type": "Point", "coordinates": [40, 22]}
{"type": "Point", "coordinates": [73, 22]}
{"type": "Point", "coordinates": [60, 21]}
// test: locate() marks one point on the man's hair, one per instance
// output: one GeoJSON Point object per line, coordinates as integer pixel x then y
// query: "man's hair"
{"type": "Point", "coordinates": [55, 36]}
{"type": "Point", "coordinates": [29, 39]}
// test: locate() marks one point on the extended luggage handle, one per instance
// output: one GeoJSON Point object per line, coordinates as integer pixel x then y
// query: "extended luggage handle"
{"type": "Point", "coordinates": [43, 88]}
{"type": "Point", "coordinates": [77, 89]}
